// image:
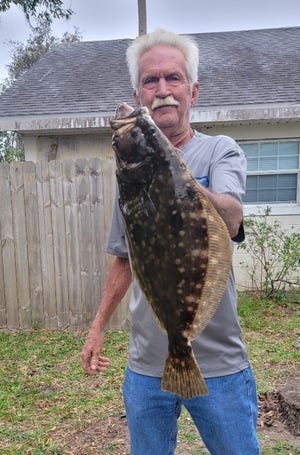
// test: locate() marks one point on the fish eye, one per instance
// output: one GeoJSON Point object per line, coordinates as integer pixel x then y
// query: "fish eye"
{"type": "Point", "coordinates": [134, 132]}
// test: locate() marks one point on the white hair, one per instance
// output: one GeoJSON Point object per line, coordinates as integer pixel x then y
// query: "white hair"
{"type": "Point", "coordinates": [144, 43]}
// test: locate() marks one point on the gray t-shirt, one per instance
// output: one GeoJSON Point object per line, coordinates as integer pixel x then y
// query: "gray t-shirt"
{"type": "Point", "coordinates": [218, 163]}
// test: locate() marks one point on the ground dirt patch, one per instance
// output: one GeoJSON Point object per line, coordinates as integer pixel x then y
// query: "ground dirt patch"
{"type": "Point", "coordinates": [101, 437]}
{"type": "Point", "coordinates": [272, 424]}
{"type": "Point", "coordinates": [110, 435]}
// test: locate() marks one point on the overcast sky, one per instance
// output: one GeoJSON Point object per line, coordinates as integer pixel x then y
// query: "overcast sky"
{"type": "Point", "coordinates": [111, 19]}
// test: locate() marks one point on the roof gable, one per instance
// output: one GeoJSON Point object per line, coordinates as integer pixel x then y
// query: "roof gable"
{"type": "Point", "coordinates": [236, 68]}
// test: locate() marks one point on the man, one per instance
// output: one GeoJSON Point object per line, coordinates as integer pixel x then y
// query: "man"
{"type": "Point", "coordinates": [163, 68]}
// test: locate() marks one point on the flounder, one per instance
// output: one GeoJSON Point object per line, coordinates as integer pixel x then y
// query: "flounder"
{"type": "Point", "coordinates": [179, 245]}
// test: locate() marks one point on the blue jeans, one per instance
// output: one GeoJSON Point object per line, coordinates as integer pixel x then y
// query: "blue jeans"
{"type": "Point", "coordinates": [225, 419]}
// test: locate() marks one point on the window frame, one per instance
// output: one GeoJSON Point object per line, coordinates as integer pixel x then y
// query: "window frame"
{"type": "Point", "coordinates": [277, 208]}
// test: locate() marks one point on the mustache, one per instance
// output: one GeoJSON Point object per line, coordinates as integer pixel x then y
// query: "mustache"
{"type": "Point", "coordinates": [168, 101]}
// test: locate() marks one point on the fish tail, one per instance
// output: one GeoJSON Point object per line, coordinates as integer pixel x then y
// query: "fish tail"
{"type": "Point", "coordinates": [183, 377]}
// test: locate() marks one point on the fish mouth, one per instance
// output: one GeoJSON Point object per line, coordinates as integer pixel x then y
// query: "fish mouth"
{"type": "Point", "coordinates": [123, 125]}
{"type": "Point", "coordinates": [126, 118]}
{"type": "Point", "coordinates": [123, 110]}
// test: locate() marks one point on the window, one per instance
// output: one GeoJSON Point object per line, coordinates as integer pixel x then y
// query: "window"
{"type": "Point", "coordinates": [272, 172]}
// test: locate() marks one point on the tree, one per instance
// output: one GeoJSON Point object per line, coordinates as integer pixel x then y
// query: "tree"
{"type": "Point", "coordinates": [11, 147]}
{"type": "Point", "coordinates": [23, 57]}
{"type": "Point", "coordinates": [39, 42]}
{"type": "Point", "coordinates": [39, 9]}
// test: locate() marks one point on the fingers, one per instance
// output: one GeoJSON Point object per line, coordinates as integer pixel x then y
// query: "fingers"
{"type": "Point", "coordinates": [93, 363]}
{"type": "Point", "coordinates": [99, 363]}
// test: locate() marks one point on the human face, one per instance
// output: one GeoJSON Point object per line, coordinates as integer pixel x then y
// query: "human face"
{"type": "Point", "coordinates": [165, 90]}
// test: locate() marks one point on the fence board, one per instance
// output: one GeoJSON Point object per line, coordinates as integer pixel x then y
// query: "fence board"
{"type": "Point", "coordinates": [72, 244]}
{"type": "Point", "coordinates": [119, 319]}
{"type": "Point", "coordinates": [98, 230]}
{"type": "Point", "coordinates": [3, 191]}
{"type": "Point", "coordinates": [33, 245]}
{"type": "Point", "coordinates": [20, 236]}
{"type": "Point", "coordinates": [84, 225]}
{"type": "Point", "coordinates": [8, 249]}
{"type": "Point", "coordinates": [59, 239]}
{"type": "Point", "coordinates": [47, 244]}
{"type": "Point", "coordinates": [2, 295]}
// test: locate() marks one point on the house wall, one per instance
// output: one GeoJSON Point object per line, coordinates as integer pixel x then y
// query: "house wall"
{"type": "Point", "coordinates": [83, 145]}
{"type": "Point", "coordinates": [255, 131]}
{"type": "Point", "coordinates": [72, 146]}
{"type": "Point", "coordinates": [99, 145]}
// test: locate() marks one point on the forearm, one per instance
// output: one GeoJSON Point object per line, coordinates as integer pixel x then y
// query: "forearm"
{"type": "Point", "coordinates": [118, 281]}
{"type": "Point", "coordinates": [228, 208]}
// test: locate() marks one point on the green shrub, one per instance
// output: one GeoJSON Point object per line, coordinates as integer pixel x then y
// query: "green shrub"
{"type": "Point", "coordinates": [275, 255]}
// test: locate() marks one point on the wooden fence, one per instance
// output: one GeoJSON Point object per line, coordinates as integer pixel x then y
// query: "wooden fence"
{"type": "Point", "coordinates": [54, 221]}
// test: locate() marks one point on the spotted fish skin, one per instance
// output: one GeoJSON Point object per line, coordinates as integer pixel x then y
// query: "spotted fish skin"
{"type": "Point", "coordinates": [179, 245]}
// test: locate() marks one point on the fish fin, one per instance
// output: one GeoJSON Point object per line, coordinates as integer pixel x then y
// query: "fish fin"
{"type": "Point", "coordinates": [183, 377]}
{"type": "Point", "coordinates": [218, 268]}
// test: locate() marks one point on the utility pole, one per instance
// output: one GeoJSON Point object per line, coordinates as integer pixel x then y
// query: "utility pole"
{"type": "Point", "coordinates": [142, 17]}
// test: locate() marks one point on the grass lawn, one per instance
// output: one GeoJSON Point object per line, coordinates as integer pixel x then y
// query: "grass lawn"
{"type": "Point", "coordinates": [49, 406]}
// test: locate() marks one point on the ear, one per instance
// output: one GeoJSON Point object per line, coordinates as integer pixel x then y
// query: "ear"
{"type": "Point", "coordinates": [136, 98]}
{"type": "Point", "coordinates": [195, 93]}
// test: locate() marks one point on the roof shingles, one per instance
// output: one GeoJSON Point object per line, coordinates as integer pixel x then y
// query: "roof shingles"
{"type": "Point", "coordinates": [236, 68]}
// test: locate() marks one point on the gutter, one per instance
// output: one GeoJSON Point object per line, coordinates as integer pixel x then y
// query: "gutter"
{"type": "Point", "coordinates": [96, 122]}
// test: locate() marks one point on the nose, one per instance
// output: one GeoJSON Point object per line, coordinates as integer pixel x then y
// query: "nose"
{"type": "Point", "coordinates": [162, 89]}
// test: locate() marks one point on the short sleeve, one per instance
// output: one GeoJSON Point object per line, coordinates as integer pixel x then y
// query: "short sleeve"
{"type": "Point", "coordinates": [117, 245]}
{"type": "Point", "coordinates": [228, 169]}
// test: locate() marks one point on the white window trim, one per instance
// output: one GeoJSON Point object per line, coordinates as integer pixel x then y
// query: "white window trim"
{"type": "Point", "coordinates": [276, 209]}
{"type": "Point", "coordinates": [282, 208]}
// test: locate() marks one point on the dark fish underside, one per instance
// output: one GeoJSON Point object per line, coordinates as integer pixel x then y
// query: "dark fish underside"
{"type": "Point", "coordinates": [179, 245]}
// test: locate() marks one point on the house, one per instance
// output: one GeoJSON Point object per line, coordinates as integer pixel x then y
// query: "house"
{"type": "Point", "coordinates": [250, 90]}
